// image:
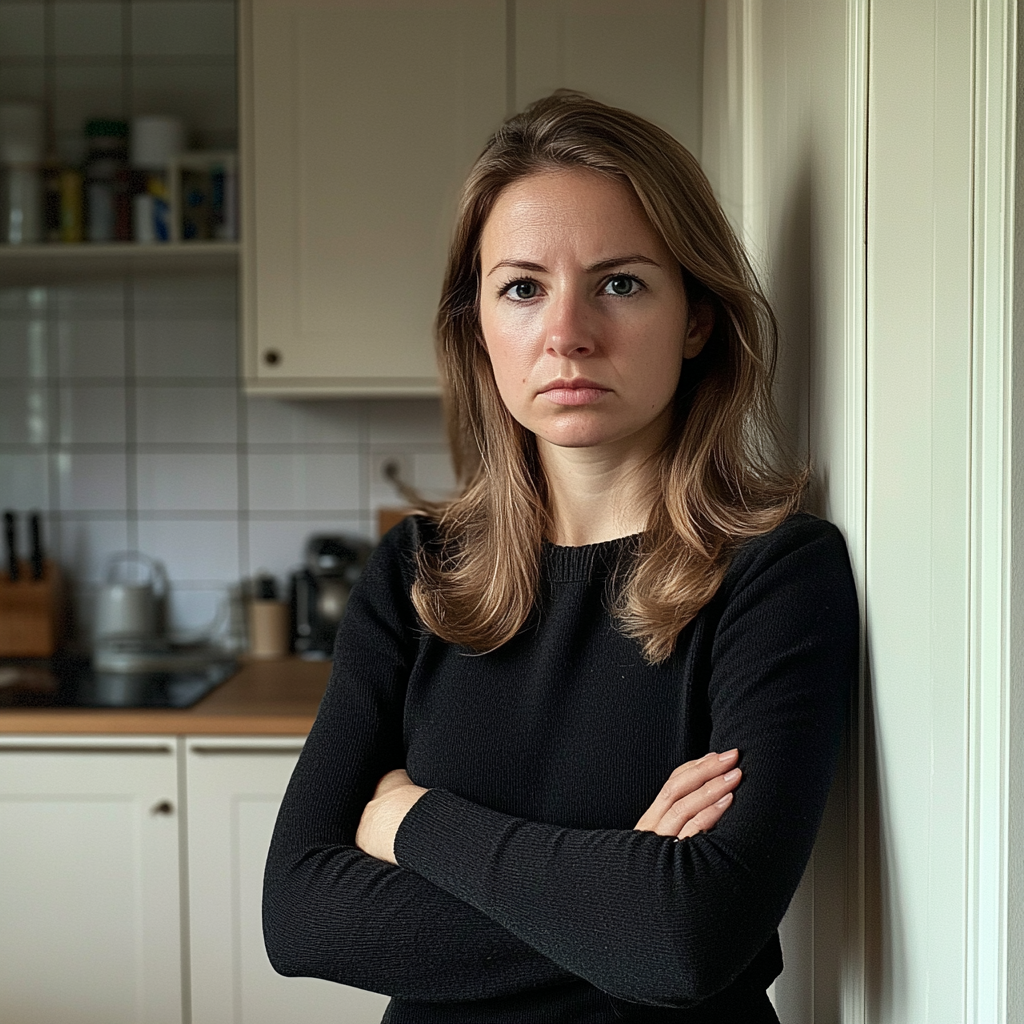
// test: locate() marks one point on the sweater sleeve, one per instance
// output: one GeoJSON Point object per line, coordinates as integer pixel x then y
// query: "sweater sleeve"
{"type": "Point", "coordinates": [651, 919]}
{"type": "Point", "coordinates": [329, 910]}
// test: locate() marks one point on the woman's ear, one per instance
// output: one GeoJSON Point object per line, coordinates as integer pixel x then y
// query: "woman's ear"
{"type": "Point", "coordinates": [702, 323]}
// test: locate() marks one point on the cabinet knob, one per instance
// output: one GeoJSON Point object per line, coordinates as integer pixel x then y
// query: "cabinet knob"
{"type": "Point", "coordinates": [164, 807]}
{"type": "Point", "coordinates": [271, 357]}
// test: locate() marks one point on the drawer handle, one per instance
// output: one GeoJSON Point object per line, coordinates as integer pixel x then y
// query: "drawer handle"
{"type": "Point", "coordinates": [254, 748]}
{"type": "Point", "coordinates": [71, 748]}
{"type": "Point", "coordinates": [164, 807]}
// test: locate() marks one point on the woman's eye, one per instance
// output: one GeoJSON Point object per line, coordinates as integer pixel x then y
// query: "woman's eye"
{"type": "Point", "coordinates": [523, 290]}
{"type": "Point", "coordinates": [622, 284]}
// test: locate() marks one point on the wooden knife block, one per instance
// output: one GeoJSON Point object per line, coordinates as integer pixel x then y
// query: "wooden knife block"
{"type": "Point", "coordinates": [30, 613]}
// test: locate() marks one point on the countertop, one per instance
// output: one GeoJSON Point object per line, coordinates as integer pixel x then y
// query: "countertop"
{"type": "Point", "coordinates": [276, 697]}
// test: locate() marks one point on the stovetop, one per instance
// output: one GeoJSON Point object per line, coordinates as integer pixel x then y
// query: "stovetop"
{"type": "Point", "coordinates": [73, 682]}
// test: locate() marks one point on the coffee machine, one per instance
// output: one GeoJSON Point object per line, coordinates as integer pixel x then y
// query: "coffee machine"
{"type": "Point", "coordinates": [320, 591]}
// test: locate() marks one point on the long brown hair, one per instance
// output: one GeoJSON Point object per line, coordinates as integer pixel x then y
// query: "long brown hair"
{"type": "Point", "coordinates": [722, 470]}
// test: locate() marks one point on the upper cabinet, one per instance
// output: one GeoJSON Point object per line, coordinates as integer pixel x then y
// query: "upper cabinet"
{"type": "Point", "coordinates": [360, 120]}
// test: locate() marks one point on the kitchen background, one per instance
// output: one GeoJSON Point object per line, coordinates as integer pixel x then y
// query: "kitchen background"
{"type": "Point", "coordinates": [121, 414]}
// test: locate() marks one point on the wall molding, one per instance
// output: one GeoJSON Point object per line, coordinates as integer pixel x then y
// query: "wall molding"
{"type": "Point", "coordinates": [989, 678]}
{"type": "Point", "coordinates": [854, 1005]}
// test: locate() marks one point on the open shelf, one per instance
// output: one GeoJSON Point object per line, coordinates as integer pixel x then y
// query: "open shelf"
{"type": "Point", "coordinates": [56, 262]}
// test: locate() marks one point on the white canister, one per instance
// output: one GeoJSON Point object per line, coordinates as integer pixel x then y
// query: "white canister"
{"type": "Point", "coordinates": [155, 141]}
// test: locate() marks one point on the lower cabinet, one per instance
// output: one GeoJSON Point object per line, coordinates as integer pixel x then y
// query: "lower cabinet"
{"type": "Point", "coordinates": [90, 880]}
{"type": "Point", "coordinates": [131, 873]}
{"type": "Point", "coordinates": [234, 786]}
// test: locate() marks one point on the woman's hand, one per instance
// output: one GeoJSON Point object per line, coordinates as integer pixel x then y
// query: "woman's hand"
{"type": "Point", "coordinates": [394, 796]}
{"type": "Point", "coordinates": [695, 796]}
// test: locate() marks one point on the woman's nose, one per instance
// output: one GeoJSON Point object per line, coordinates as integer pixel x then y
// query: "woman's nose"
{"type": "Point", "coordinates": [568, 330]}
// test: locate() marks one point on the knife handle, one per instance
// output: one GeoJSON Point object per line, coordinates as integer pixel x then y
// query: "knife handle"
{"type": "Point", "coordinates": [11, 546]}
{"type": "Point", "coordinates": [35, 532]}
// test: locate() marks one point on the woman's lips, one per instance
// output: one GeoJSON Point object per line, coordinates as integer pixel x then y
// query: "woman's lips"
{"type": "Point", "coordinates": [576, 392]}
{"type": "Point", "coordinates": [574, 396]}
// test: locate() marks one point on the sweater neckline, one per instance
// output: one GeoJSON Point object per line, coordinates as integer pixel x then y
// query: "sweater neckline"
{"type": "Point", "coordinates": [564, 563]}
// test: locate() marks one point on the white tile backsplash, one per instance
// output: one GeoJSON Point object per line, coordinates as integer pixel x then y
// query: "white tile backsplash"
{"type": "Point", "coordinates": [304, 482]}
{"type": "Point", "coordinates": [193, 551]}
{"type": "Point", "coordinates": [92, 481]}
{"type": "Point", "coordinates": [410, 421]}
{"type": "Point", "coordinates": [88, 298]}
{"type": "Point", "coordinates": [24, 348]}
{"type": "Point", "coordinates": [23, 300]}
{"type": "Point", "coordinates": [184, 348]}
{"type": "Point", "coordinates": [184, 415]}
{"type": "Point", "coordinates": [24, 480]}
{"type": "Point", "coordinates": [24, 413]}
{"type": "Point", "coordinates": [272, 421]}
{"type": "Point", "coordinates": [90, 348]}
{"type": "Point", "coordinates": [92, 414]}
{"type": "Point", "coordinates": [160, 297]}
{"type": "Point", "coordinates": [170, 482]}
{"type": "Point", "coordinates": [432, 474]}
{"type": "Point", "coordinates": [129, 391]}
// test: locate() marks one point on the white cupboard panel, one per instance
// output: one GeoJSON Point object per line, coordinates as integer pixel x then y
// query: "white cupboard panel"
{"type": "Point", "coordinates": [90, 927]}
{"type": "Point", "coordinates": [365, 118]}
{"type": "Point", "coordinates": [647, 56]}
{"type": "Point", "coordinates": [235, 787]}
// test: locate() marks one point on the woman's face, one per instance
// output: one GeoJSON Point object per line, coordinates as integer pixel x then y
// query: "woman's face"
{"type": "Point", "coordinates": [583, 311]}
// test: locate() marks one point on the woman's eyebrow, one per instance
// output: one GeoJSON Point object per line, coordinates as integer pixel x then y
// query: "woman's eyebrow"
{"type": "Point", "coordinates": [517, 265]}
{"type": "Point", "coordinates": [621, 261]}
{"type": "Point", "coordinates": [614, 261]}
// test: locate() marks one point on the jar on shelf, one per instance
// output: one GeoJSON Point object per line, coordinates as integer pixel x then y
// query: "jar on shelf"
{"type": "Point", "coordinates": [107, 182]}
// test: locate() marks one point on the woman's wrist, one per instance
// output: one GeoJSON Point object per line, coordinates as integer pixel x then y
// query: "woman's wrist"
{"type": "Point", "coordinates": [381, 819]}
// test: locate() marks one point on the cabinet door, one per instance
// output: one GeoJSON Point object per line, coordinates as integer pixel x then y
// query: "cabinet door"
{"type": "Point", "coordinates": [235, 786]}
{"type": "Point", "coordinates": [90, 916]}
{"type": "Point", "coordinates": [646, 56]}
{"type": "Point", "coordinates": [360, 119]}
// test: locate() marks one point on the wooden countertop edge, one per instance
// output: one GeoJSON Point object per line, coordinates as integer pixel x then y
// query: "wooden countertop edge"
{"type": "Point", "coordinates": [266, 697]}
{"type": "Point", "coordinates": [152, 723]}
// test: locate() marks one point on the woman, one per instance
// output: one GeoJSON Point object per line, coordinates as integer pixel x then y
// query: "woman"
{"type": "Point", "coordinates": [506, 810]}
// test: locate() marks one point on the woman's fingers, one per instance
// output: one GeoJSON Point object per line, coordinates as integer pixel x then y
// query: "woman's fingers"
{"type": "Point", "coordinates": [700, 809]}
{"type": "Point", "coordinates": [687, 779]}
{"type": "Point", "coordinates": [707, 818]}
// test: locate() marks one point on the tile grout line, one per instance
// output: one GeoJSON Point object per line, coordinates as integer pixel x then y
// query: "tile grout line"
{"type": "Point", "coordinates": [131, 482]}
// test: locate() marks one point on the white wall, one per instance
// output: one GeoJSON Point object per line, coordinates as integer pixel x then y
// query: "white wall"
{"type": "Point", "coordinates": [806, 216]}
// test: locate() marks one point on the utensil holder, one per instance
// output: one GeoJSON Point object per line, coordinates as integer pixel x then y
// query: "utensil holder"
{"type": "Point", "coordinates": [30, 612]}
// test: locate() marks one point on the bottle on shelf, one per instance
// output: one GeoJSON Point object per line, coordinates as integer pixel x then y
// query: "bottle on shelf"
{"type": "Point", "coordinates": [156, 140]}
{"type": "Point", "coordinates": [21, 152]}
{"type": "Point", "coordinates": [107, 185]}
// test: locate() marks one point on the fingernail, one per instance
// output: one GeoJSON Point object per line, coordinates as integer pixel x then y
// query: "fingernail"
{"type": "Point", "coordinates": [731, 776]}
{"type": "Point", "coordinates": [725, 801]}
{"type": "Point", "coordinates": [728, 755]}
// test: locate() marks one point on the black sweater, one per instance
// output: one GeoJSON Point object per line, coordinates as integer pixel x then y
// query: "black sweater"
{"type": "Point", "coordinates": [523, 893]}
